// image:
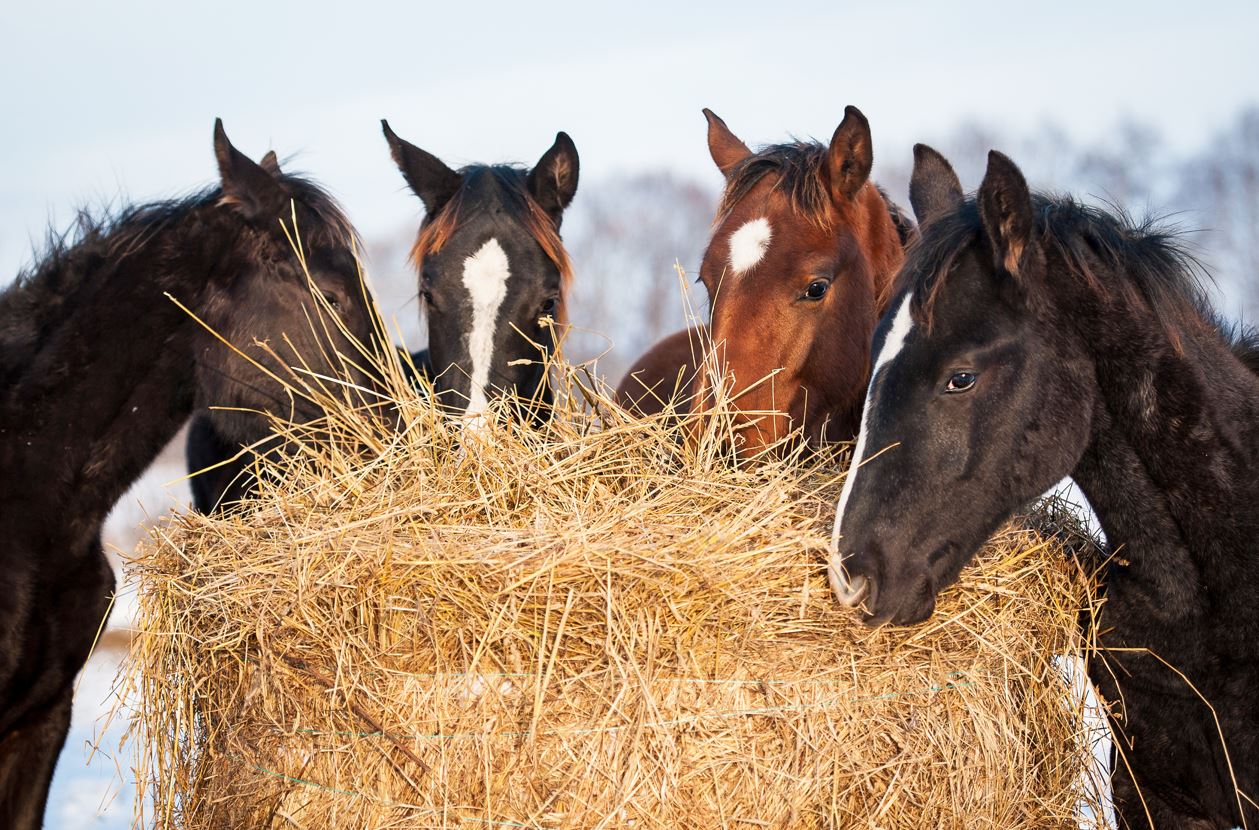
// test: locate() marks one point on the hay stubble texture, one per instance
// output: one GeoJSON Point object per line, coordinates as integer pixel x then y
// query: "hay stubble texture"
{"type": "Point", "coordinates": [587, 626]}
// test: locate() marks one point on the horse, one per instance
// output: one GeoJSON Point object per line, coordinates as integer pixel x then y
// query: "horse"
{"type": "Point", "coordinates": [664, 375]}
{"type": "Point", "coordinates": [1034, 337]}
{"type": "Point", "coordinates": [800, 263]}
{"type": "Point", "coordinates": [101, 362]}
{"type": "Point", "coordinates": [221, 469]}
{"type": "Point", "coordinates": [493, 274]}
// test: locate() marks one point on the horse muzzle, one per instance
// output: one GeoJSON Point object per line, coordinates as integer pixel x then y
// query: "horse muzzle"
{"type": "Point", "coordinates": [849, 589]}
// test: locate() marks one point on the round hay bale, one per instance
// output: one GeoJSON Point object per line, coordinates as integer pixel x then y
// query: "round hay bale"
{"type": "Point", "coordinates": [584, 626]}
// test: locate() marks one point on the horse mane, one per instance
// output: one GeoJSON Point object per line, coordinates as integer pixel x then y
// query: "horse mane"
{"type": "Point", "coordinates": [1151, 259]}
{"type": "Point", "coordinates": [512, 183]}
{"type": "Point", "coordinates": [94, 241]}
{"type": "Point", "coordinates": [906, 227]}
{"type": "Point", "coordinates": [1243, 342]}
{"type": "Point", "coordinates": [798, 165]}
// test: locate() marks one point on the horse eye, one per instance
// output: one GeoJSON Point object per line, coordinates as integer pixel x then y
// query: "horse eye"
{"type": "Point", "coordinates": [549, 306]}
{"type": "Point", "coordinates": [333, 301]}
{"type": "Point", "coordinates": [816, 290]}
{"type": "Point", "coordinates": [961, 381]}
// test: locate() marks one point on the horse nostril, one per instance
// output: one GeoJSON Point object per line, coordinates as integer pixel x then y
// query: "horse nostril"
{"type": "Point", "coordinates": [849, 590]}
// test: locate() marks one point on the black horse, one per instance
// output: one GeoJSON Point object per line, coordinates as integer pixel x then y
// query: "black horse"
{"type": "Point", "coordinates": [493, 272]}
{"type": "Point", "coordinates": [492, 267]}
{"type": "Point", "coordinates": [1034, 338]}
{"type": "Point", "coordinates": [222, 468]}
{"type": "Point", "coordinates": [99, 367]}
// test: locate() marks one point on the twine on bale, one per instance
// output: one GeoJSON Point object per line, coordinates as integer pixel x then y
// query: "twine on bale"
{"type": "Point", "coordinates": [587, 625]}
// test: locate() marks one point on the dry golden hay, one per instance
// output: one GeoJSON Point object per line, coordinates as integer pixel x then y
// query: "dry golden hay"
{"type": "Point", "coordinates": [582, 626]}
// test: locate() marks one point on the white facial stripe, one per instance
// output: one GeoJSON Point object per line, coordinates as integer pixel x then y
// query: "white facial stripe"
{"type": "Point", "coordinates": [896, 336]}
{"type": "Point", "coordinates": [485, 276]}
{"type": "Point", "coordinates": [748, 245]}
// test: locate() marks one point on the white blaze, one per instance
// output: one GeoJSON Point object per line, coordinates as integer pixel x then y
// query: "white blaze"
{"type": "Point", "coordinates": [485, 276]}
{"type": "Point", "coordinates": [892, 345]}
{"type": "Point", "coordinates": [748, 244]}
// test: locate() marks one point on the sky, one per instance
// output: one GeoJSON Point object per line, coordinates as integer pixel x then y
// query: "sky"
{"type": "Point", "coordinates": [107, 102]}
{"type": "Point", "coordinates": [110, 102]}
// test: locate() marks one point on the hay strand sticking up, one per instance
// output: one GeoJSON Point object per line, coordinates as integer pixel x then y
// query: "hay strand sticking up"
{"type": "Point", "coordinates": [589, 625]}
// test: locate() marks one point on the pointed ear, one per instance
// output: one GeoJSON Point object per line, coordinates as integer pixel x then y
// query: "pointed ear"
{"type": "Point", "coordinates": [427, 176]}
{"type": "Point", "coordinates": [934, 188]}
{"type": "Point", "coordinates": [553, 180]}
{"type": "Point", "coordinates": [247, 187]}
{"type": "Point", "coordinates": [724, 146]}
{"type": "Point", "coordinates": [1005, 208]}
{"type": "Point", "coordinates": [270, 163]}
{"type": "Point", "coordinates": [851, 155]}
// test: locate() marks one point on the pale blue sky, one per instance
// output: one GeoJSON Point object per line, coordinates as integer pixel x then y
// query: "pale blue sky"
{"type": "Point", "coordinates": [110, 99]}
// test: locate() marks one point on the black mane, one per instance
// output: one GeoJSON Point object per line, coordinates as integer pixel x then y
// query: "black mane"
{"type": "Point", "coordinates": [39, 294]}
{"type": "Point", "coordinates": [1151, 260]}
{"type": "Point", "coordinates": [511, 180]}
{"type": "Point", "coordinates": [906, 227]}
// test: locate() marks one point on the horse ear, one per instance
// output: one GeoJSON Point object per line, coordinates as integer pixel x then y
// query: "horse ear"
{"type": "Point", "coordinates": [247, 186]}
{"type": "Point", "coordinates": [426, 174]}
{"type": "Point", "coordinates": [1005, 208]}
{"type": "Point", "coordinates": [934, 188]}
{"type": "Point", "coordinates": [270, 163]}
{"type": "Point", "coordinates": [851, 155]}
{"type": "Point", "coordinates": [553, 180]}
{"type": "Point", "coordinates": [724, 146]}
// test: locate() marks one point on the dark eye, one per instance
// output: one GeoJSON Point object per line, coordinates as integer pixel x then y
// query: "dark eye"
{"type": "Point", "coordinates": [816, 290]}
{"type": "Point", "coordinates": [549, 306]}
{"type": "Point", "coordinates": [334, 302]}
{"type": "Point", "coordinates": [961, 381]}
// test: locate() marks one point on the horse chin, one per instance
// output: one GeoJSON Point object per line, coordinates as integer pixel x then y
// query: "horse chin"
{"type": "Point", "coordinates": [909, 612]}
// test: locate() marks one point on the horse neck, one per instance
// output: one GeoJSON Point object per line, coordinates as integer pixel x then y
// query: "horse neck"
{"type": "Point", "coordinates": [1169, 466]}
{"type": "Point", "coordinates": [110, 381]}
{"type": "Point", "coordinates": [881, 245]}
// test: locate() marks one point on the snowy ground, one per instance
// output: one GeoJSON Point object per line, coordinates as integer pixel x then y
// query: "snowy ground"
{"type": "Point", "coordinates": [93, 786]}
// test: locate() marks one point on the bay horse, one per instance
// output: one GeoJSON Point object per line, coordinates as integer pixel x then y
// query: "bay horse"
{"type": "Point", "coordinates": [798, 269]}
{"type": "Point", "coordinates": [98, 370]}
{"type": "Point", "coordinates": [493, 273]}
{"type": "Point", "coordinates": [1031, 338]}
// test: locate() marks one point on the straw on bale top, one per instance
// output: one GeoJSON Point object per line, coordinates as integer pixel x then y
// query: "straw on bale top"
{"type": "Point", "coordinates": [586, 626]}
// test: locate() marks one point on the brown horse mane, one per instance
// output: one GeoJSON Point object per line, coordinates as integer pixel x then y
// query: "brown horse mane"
{"type": "Point", "coordinates": [512, 182]}
{"type": "Point", "coordinates": [798, 166]}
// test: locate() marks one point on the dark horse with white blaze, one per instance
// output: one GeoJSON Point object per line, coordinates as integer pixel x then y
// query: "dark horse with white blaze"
{"type": "Point", "coordinates": [99, 369]}
{"type": "Point", "coordinates": [492, 271]}
{"type": "Point", "coordinates": [798, 270]}
{"type": "Point", "coordinates": [1034, 338]}
{"type": "Point", "coordinates": [494, 274]}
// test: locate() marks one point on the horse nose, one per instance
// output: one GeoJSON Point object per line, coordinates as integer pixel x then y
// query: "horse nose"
{"type": "Point", "coordinates": [849, 591]}
{"type": "Point", "coordinates": [848, 586]}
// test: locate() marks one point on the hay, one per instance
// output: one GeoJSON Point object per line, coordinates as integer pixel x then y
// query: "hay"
{"type": "Point", "coordinates": [586, 626]}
